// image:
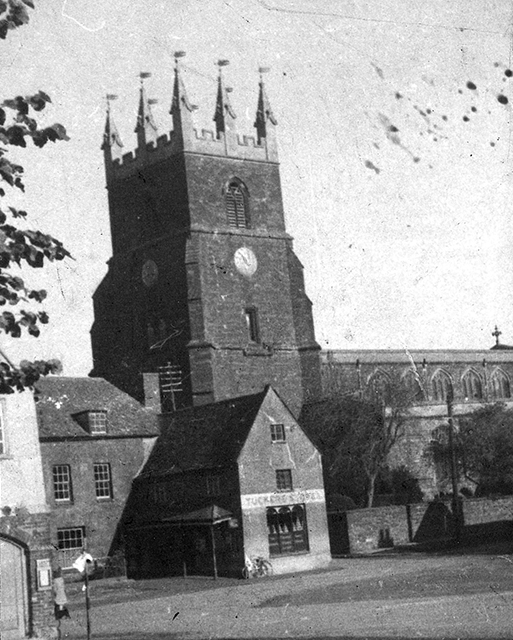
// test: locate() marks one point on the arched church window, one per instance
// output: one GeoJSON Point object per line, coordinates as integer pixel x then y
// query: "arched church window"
{"type": "Point", "coordinates": [441, 385]}
{"type": "Point", "coordinates": [236, 200]}
{"type": "Point", "coordinates": [378, 387]}
{"type": "Point", "coordinates": [412, 383]}
{"type": "Point", "coordinates": [472, 385]}
{"type": "Point", "coordinates": [499, 385]}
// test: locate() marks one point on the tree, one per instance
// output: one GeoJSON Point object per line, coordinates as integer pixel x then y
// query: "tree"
{"type": "Point", "coordinates": [356, 435]}
{"type": "Point", "coordinates": [483, 449]}
{"type": "Point", "coordinates": [401, 484]}
{"type": "Point", "coordinates": [19, 246]}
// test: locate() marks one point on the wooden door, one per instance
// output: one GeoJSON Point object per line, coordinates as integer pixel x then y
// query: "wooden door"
{"type": "Point", "coordinates": [13, 592]}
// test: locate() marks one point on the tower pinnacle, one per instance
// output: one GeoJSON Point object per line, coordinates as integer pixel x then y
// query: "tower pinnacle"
{"type": "Point", "coordinates": [265, 122]}
{"type": "Point", "coordinates": [224, 116]}
{"type": "Point", "coordinates": [145, 128]}
{"type": "Point", "coordinates": [112, 145]}
{"type": "Point", "coordinates": [181, 108]}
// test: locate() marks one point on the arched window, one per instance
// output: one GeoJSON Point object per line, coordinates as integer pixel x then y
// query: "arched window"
{"type": "Point", "coordinates": [411, 381]}
{"type": "Point", "coordinates": [472, 385]}
{"type": "Point", "coordinates": [441, 385]}
{"type": "Point", "coordinates": [499, 385]}
{"type": "Point", "coordinates": [236, 200]}
{"type": "Point", "coordinates": [378, 387]}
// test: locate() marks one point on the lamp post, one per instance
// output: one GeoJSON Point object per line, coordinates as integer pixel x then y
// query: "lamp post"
{"type": "Point", "coordinates": [454, 471]}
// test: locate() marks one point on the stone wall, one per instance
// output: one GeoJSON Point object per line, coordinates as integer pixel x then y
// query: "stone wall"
{"type": "Point", "coordinates": [372, 529]}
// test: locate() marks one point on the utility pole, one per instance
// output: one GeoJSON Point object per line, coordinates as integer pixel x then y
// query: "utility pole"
{"type": "Point", "coordinates": [456, 506]}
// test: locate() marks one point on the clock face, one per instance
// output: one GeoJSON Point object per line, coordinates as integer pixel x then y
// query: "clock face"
{"type": "Point", "coordinates": [149, 273]}
{"type": "Point", "coordinates": [245, 261]}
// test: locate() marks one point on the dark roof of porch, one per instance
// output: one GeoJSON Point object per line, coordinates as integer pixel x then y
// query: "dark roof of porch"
{"type": "Point", "coordinates": [211, 514]}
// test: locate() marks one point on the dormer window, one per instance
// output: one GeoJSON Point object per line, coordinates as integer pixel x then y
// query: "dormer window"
{"type": "Point", "coordinates": [97, 421]}
{"type": "Point", "coordinates": [94, 421]}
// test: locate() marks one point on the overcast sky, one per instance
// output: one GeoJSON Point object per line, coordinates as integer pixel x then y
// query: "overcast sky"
{"type": "Point", "coordinates": [394, 138]}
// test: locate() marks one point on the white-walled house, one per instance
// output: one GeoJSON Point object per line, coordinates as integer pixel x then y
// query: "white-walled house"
{"type": "Point", "coordinates": [26, 605]}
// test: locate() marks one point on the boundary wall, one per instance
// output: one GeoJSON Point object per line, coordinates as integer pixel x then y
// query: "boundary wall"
{"type": "Point", "coordinates": [367, 530]}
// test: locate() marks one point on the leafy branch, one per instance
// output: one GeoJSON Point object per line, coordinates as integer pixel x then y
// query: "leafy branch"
{"type": "Point", "coordinates": [20, 247]}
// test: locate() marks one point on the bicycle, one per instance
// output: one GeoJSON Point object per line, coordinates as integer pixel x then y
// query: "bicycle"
{"type": "Point", "coordinates": [257, 568]}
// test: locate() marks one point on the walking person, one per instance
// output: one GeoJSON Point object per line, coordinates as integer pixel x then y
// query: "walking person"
{"type": "Point", "coordinates": [60, 599]}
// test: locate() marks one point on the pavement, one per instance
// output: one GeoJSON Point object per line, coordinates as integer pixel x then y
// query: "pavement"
{"type": "Point", "coordinates": [450, 594]}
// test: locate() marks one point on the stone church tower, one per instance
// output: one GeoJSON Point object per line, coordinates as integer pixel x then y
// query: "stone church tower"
{"type": "Point", "coordinates": [203, 285]}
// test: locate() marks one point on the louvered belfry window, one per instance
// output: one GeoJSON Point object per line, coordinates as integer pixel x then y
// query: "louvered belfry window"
{"type": "Point", "coordinates": [236, 205]}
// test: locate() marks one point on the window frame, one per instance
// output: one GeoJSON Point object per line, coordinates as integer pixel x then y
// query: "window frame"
{"type": "Point", "coordinates": [252, 324]}
{"type": "Point", "coordinates": [284, 480]}
{"type": "Point", "coordinates": [97, 428]}
{"type": "Point", "coordinates": [62, 485]}
{"type": "Point", "coordinates": [379, 387]}
{"type": "Point", "coordinates": [441, 381]}
{"type": "Point", "coordinates": [236, 201]}
{"type": "Point", "coordinates": [287, 530]}
{"type": "Point", "coordinates": [472, 381]}
{"type": "Point", "coordinates": [213, 484]}
{"type": "Point", "coordinates": [500, 385]}
{"type": "Point", "coordinates": [103, 483]}
{"type": "Point", "coordinates": [411, 382]}
{"type": "Point", "coordinates": [67, 553]}
{"type": "Point", "coordinates": [277, 432]}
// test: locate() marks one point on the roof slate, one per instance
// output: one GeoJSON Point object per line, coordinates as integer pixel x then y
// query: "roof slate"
{"type": "Point", "coordinates": [203, 437]}
{"type": "Point", "coordinates": [60, 398]}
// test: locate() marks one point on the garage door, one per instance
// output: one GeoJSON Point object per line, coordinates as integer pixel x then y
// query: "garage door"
{"type": "Point", "coordinates": [13, 591]}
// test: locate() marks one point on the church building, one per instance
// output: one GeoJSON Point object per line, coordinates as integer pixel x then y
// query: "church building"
{"type": "Point", "coordinates": [203, 315]}
{"type": "Point", "coordinates": [203, 285]}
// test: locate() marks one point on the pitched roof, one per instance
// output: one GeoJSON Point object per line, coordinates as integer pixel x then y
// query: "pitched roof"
{"type": "Point", "coordinates": [59, 399]}
{"type": "Point", "coordinates": [203, 437]}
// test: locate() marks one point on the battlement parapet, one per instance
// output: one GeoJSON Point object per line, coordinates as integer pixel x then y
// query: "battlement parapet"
{"type": "Point", "coordinates": [230, 145]}
{"type": "Point", "coordinates": [206, 134]}
{"type": "Point", "coordinates": [154, 152]}
{"type": "Point", "coordinates": [242, 147]}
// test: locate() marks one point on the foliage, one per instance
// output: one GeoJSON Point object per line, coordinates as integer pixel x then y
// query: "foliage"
{"type": "Point", "coordinates": [401, 484]}
{"type": "Point", "coordinates": [13, 14]}
{"type": "Point", "coordinates": [356, 436]}
{"type": "Point", "coordinates": [483, 449]}
{"type": "Point", "coordinates": [20, 247]}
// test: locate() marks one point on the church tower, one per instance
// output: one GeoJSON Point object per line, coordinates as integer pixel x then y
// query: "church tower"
{"type": "Point", "coordinates": [203, 285]}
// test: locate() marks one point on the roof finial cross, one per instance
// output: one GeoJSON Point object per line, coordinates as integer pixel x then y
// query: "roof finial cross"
{"type": "Point", "coordinates": [109, 98]}
{"type": "Point", "coordinates": [496, 334]}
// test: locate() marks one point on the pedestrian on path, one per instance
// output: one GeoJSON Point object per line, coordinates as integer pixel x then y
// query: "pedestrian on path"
{"type": "Point", "coordinates": [59, 596]}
